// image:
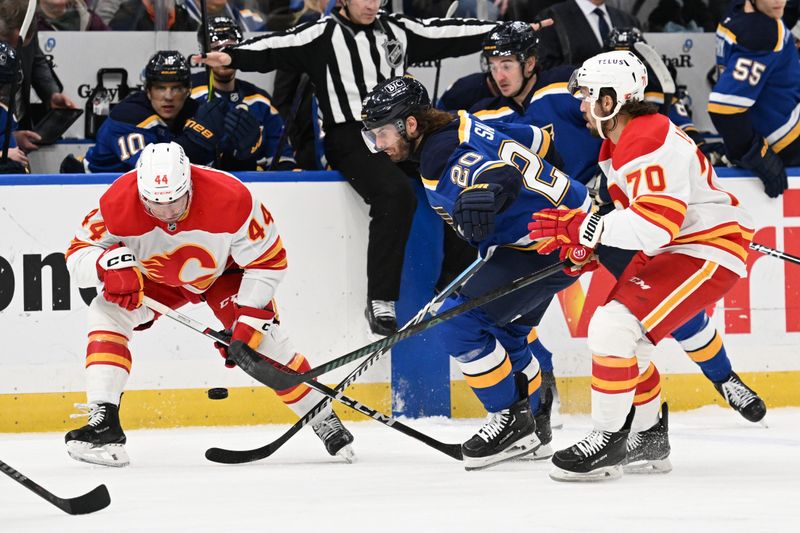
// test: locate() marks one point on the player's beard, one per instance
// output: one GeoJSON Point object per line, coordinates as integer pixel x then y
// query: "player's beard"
{"type": "Point", "coordinates": [402, 151]}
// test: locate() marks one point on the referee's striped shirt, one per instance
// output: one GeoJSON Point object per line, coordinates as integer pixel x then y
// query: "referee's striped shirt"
{"type": "Point", "coordinates": [345, 60]}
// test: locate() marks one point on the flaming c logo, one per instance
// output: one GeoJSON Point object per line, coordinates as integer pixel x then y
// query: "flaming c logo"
{"type": "Point", "coordinates": [189, 264]}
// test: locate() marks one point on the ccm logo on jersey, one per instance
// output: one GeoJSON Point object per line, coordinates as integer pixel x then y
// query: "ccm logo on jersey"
{"type": "Point", "coordinates": [639, 282]}
{"type": "Point", "coordinates": [193, 125]}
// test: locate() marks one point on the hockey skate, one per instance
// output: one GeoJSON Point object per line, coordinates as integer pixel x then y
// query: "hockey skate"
{"type": "Point", "coordinates": [381, 317]}
{"type": "Point", "coordinates": [335, 437]}
{"type": "Point", "coordinates": [101, 441]}
{"type": "Point", "coordinates": [549, 383]}
{"type": "Point", "coordinates": [648, 451]}
{"type": "Point", "coordinates": [599, 456]}
{"type": "Point", "coordinates": [507, 434]}
{"type": "Point", "coordinates": [742, 398]}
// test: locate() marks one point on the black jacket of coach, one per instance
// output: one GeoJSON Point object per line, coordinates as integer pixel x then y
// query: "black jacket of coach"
{"type": "Point", "coordinates": [345, 61]}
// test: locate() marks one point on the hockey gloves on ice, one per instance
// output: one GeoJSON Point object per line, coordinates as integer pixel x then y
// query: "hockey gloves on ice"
{"type": "Point", "coordinates": [243, 131]}
{"type": "Point", "coordinates": [251, 324]}
{"type": "Point", "coordinates": [475, 210]}
{"type": "Point", "coordinates": [208, 124]}
{"type": "Point", "coordinates": [575, 231]}
{"type": "Point", "coordinates": [768, 167]}
{"type": "Point", "coordinates": [122, 280]}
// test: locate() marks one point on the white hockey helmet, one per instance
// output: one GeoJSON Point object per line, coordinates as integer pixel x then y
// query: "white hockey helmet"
{"type": "Point", "coordinates": [619, 70]}
{"type": "Point", "coordinates": [163, 176]}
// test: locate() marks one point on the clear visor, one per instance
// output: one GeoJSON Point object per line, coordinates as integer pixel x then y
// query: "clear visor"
{"type": "Point", "coordinates": [168, 212]}
{"type": "Point", "coordinates": [574, 88]}
{"type": "Point", "coordinates": [379, 139]}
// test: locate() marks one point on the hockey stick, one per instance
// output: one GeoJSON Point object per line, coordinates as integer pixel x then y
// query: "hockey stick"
{"type": "Point", "coordinates": [660, 70]}
{"type": "Point", "coordinates": [220, 455]}
{"type": "Point", "coordinates": [299, 94]}
{"type": "Point", "coordinates": [766, 250]}
{"type": "Point", "coordinates": [206, 46]}
{"type": "Point", "coordinates": [92, 501]}
{"type": "Point", "coordinates": [273, 374]}
{"type": "Point", "coordinates": [452, 450]}
{"type": "Point", "coordinates": [26, 24]}
{"type": "Point", "coordinates": [449, 14]}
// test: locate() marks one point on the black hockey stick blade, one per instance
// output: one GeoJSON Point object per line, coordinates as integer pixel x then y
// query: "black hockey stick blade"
{"type": "Point", "coordinates": [279, 377]}
{"type": "Point", "coordinates": [94, 500]}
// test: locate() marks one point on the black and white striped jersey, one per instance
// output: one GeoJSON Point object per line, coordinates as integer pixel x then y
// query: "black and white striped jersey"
{"type": "Point", "coordinates": [345, 60]}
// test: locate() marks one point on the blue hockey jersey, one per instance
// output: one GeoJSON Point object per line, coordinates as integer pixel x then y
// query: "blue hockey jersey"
{"type": "Point", "coordinates": [468, 151]}
{"type": "Point", "coordinates": [132, 125]}
{"type": "Point", "coordinates": [758, 89]}
{"type": "Point", "coordinates": [259, 104]}
{"type": "Point", "coordinates": [12, 143]}
{"type": "Point", "coordinates": [551, 107]}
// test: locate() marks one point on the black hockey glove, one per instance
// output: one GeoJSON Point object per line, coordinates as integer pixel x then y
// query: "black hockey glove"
{"type": "Point", "coordinates": [207, 125]}
{"type": "Point", "coordinates": [244, 133]}
{"type": "Point", "coordinates": [223, 350]}
{"type": "Point", "coordinates": [714, 151]}
{"type": "Point", "coordinates": [475, 210]}
{"type": "Point", "coordinates": [768, 167]}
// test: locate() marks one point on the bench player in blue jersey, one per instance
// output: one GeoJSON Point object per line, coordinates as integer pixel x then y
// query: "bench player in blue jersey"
{"type": "Point", "coordinates": [17, 161]}
{"type": "Point", "coordinates": [163, 112]}
{"type": "Point", "coordinates": [534, 97]}
{"type": "Point", "coordinates": [248, 112]}
{"type": "Point", "coordinates": [755, 103]}
{"type": "Point", "coordinates": [484, 181]}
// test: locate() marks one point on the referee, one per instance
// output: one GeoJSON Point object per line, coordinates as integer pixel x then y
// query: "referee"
{"type": "Point", "coordinates": [345, 55]}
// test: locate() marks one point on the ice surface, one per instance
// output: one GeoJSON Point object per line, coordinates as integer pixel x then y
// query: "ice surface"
{"type": "Point", "coordinates": [729, 476]}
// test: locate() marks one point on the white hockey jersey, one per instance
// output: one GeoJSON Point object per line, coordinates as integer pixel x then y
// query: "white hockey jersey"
{"type": "Point", "coordinates": [668, 198]}
{"type": "Point", "coordinates": [224, 228]}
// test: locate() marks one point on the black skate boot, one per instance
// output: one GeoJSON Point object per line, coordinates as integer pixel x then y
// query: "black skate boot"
{"type": "Point", "coordinates": [549, 383]}
{"type": "Point", "coordinates": [335, 437]}
{"type": "Point", "coordinates": [381, 317]}
{"type": "Point", "coordinates": [648, 451]}
{"type": "Point", "coordinates": [508, 434]}
{"type": "Point", "coordinates": [597, 457]}
{"type": "Point", "coordinates": [102, 440]}
{"type": "Point", "coordinates": [742, 398]}
{"type": "Point", "coordinates": [543, 430]}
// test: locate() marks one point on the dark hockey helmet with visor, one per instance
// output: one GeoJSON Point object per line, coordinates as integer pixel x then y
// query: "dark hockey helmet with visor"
{"type": "Point", "coordinates": [167, 66]}
{"type": "Point", "coordinates": [510, 39]}
{"type": "Point", "coordinates": [386, 107]}
{"type": "Point", "coordinates": [9, 70]}
{"type": "Point", "coordinates": [624, 39]}
{"type": "Point", "coordinates": [222, 31]}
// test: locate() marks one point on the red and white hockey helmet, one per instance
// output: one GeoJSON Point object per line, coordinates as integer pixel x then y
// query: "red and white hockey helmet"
{"type": "Point", "coordinates": [619, 70]}
{"type": "Point", "coordinates": [163, 176]}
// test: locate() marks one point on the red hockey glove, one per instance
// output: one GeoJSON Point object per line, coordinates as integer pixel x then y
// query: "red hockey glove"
{"type": "Point", "coordinates": [581, 257]}
{"type": "Point", "coordinates": [122, 280]}
{"type": "Point", "coordinates": [251, 324]}
{"type": "Point", "coordinates": [563, 227]}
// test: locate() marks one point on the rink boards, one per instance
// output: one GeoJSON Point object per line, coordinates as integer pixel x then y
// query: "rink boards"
{"type": "Point", "coordinates": [323, 224]}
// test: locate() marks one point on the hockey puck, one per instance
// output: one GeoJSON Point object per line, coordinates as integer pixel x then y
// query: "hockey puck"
{"type": "Point", "coordinates": [218, 393]}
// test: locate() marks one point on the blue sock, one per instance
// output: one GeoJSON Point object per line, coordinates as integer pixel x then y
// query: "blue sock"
{"type": "Point", "coordinates": [542, 354]}
{"type": "Point", "coordinates": [703, 344]}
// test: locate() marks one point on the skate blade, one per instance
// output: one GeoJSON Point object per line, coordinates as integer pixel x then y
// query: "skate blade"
{"type": "Point", "coordinates": [606, 473]}
{"type": "Point", "coordinates": [763, 423]}
{"type": "Point", "coordinates": [108, 455]}
{"type": "Point", "coordinates": [657, 466]}
{"type": "Point", "coordinates": [542, 453]}
{"type": "Point", "coordinates": [517, 450]}
{"type": "Point", "coordinates": [347, 453]}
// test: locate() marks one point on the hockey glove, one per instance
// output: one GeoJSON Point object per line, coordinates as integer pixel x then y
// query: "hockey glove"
{"type": "Point", "coordinates": [207, 125]}
{"type": "Point", "coordinates": [581, 257]}
{"type": "Point", "coordinates": [475, 211]}
{"type": "Point", "coordinates": [251, 324]}
{"type": "Point", "coordinates": [556, 228]}
{"type": "Point", "coordinates": [223, 349]}
{"type": "Point", "coordinates": [244, 133]}
{"type": "Point", "coordinates": [768, 167]}
{"type": "Point", "coordinates": [122, 280]}
{"type": "Point", "coordinates": [714, 152]}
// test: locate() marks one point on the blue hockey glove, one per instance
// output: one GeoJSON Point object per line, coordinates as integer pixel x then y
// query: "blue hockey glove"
{"type": "Point", "coordinates": [243, 131]}
{"type": "Point", "coordinates": [475, 211]}
{"type": "Point", "coordinates": [768, 167]}
{"type": "Point", "coordinates": [207, 125]}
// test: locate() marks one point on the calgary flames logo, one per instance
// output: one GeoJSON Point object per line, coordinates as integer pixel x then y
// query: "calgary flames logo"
{"type": "Point", "coordinates": [188, 264]}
